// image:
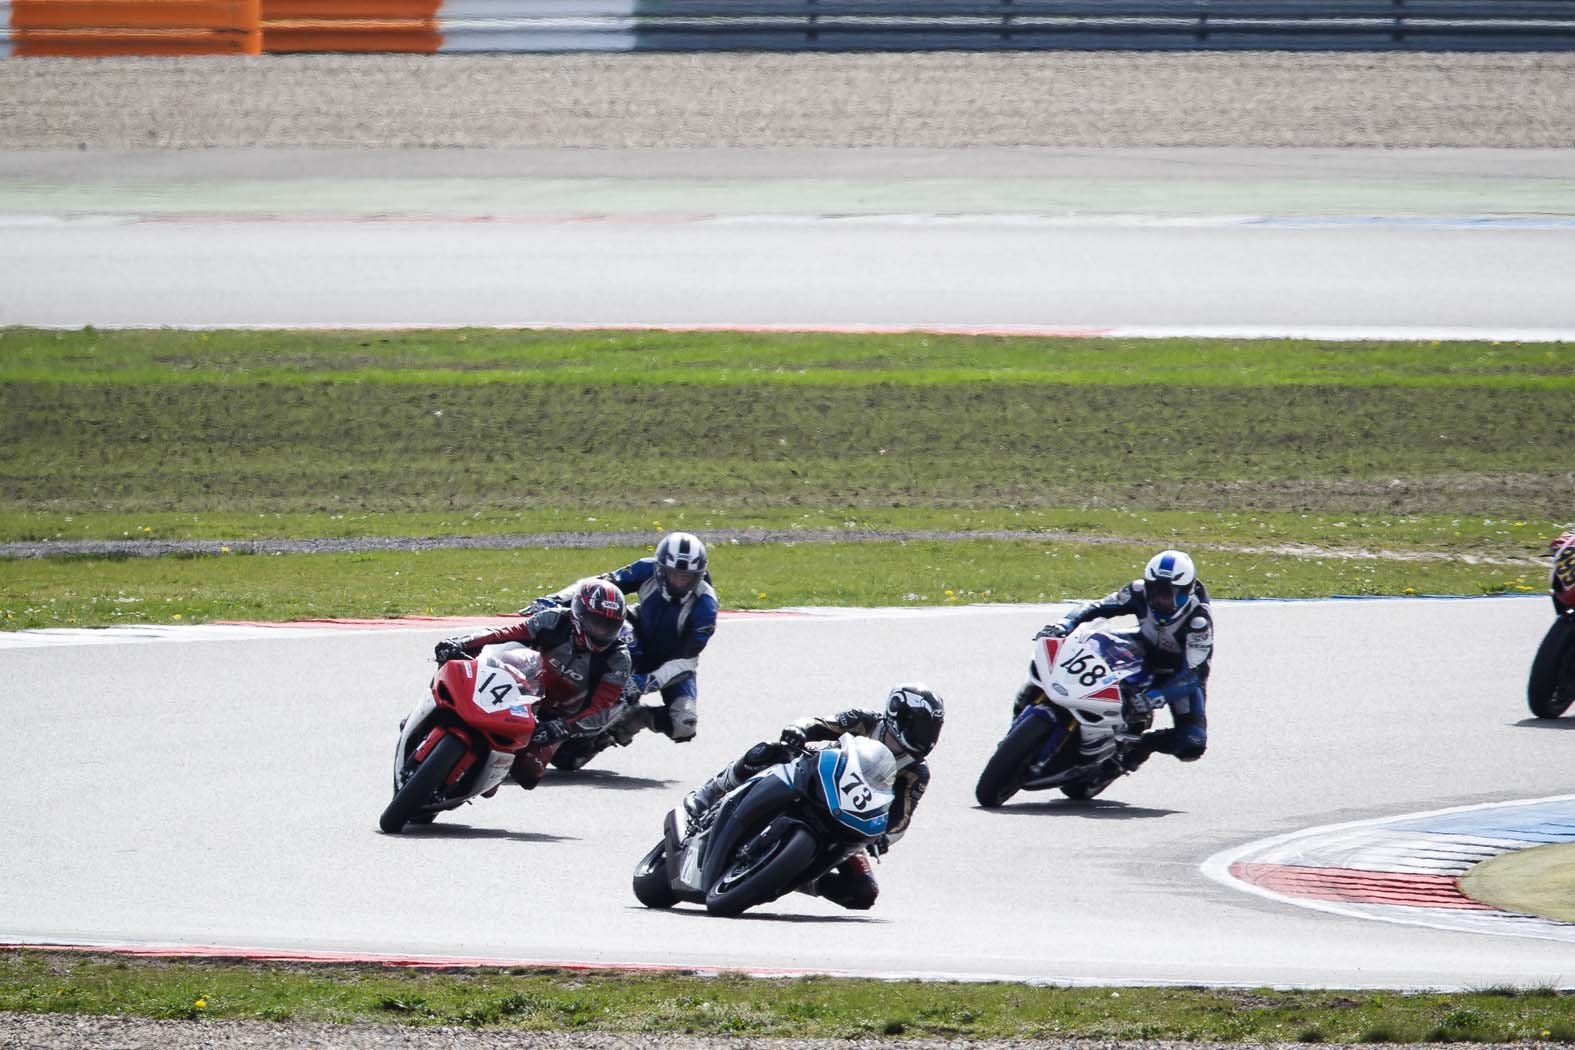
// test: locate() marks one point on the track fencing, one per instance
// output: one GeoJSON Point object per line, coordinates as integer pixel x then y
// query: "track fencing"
{"type": "Point", "coordinates": [161, 27]}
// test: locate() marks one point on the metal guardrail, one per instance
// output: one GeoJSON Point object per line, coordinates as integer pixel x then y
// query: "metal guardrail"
{"type": "Point", "coordinates": [169, 26]}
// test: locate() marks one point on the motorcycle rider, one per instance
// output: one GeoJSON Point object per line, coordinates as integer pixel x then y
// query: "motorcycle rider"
{"type": "Point", "coordinates": [673, 621]}
{"type": "Point", "coordinates": [909, 725]}
{"type": "Point", "coordinates": [1176, 637]}
{"type": "Point", "coordinates": [585, 667]}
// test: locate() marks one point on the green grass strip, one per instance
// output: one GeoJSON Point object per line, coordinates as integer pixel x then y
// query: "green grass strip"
{"type": "Point", "coordinates": [83, 592]}
{"type": "Point", "coordinates": [1506, 537]}
{"type": "Point", "coordinates": [730, 1005]}
{"type": "Point", "coordinates": [475, 356]}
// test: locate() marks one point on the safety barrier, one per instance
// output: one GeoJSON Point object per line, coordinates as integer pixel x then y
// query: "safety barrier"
{"type": "Point", "coordinates": [131, 27]}
{"type": "Point", "coordinates": [246, 26]}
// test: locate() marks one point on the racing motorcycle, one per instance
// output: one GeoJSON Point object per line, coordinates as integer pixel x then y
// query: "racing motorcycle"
{"type": "Point", "coordinates": [777, 832]}
{"type": "Point", "coordinates": [1551, 687]}
{"type": "Point", "coordinates": [462, 737]}
{"type": "Point", "coordinates": [1073, 734]}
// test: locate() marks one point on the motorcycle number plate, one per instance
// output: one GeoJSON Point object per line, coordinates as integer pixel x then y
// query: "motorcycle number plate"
{"type": "Point", "coordinates": [496, 689]}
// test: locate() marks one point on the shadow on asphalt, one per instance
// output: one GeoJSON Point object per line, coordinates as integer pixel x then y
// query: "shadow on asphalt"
{"type": "Point", "coordinates": [698, 912]}
{"type": "Point", "coordinates": [602, 778]}
{"type": "Point", "coordinates": [1092, 809]}
{"type": "Point", "coordinates": [1547, 723]}
{"type": "Point", "coordinates": [439, 830]}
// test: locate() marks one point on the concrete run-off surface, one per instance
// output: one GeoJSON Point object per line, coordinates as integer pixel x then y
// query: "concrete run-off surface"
{"type": "Point", "coordinates": [754, 101]}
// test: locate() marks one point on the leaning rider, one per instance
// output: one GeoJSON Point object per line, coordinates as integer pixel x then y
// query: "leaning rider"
{"type": "Point", "coordinates": [675, 618]}
{"type": "Point", "coordinates": [1176, 636]}
{"type": "Point", "coordinates": [909, 726]}
{"type": "Point", "coordinates": [585, 668]}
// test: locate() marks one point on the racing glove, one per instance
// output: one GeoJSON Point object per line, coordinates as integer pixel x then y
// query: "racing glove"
{"type": "Point", "coordinates": [546, 601]}
{"type": "Point", "coordinates": [548, 733]}
{"type": "Point", "coordinates": [793, 738]}
{"type": "Point", "coordinates": [1140, 704]}
{"type": "Point", "coordinates": [449, 649]}
{"type": "Point", "coordinates": [1051, 630]}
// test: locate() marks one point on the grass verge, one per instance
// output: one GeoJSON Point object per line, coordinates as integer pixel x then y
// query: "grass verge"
{"type": "Point", "coordinates": [467, 422]}
{"type": "Point", "coordinates": [730, 1005]}
{"type": "Point", "coordinates": [84, 592]}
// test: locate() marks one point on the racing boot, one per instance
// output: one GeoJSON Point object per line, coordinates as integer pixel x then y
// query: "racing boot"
{"type": "Point", "coordinates": [699, 803]}
{"type": "Point", "coordinates": [1133, 756]}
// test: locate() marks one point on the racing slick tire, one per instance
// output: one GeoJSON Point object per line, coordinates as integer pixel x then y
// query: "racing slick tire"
{"type": "Point", "coordinates": [651, 886]}
{"type": "Point", "coordinates": [1551, 688]}
{"type": "Point", "coordinates": [759, 879]}
{"type": "Point", "coordinates": [1007, 769]}
{"type": "Point", "coordinates": [422, 785]}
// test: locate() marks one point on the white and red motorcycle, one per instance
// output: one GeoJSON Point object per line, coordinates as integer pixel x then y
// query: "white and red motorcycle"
{"type": "Point", "coordinates": [461, 739]}
{"type": "Point", "coordinates": [1078, 725]}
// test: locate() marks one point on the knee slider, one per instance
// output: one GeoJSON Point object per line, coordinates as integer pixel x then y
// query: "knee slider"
{"type": "Point", "coordinates": [682, 719]}
{"type": "Point", "coordinates": [1194, 741]}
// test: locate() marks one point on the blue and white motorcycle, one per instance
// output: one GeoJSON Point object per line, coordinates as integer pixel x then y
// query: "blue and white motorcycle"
{"type": "Point", "coordinates": [778, 832]}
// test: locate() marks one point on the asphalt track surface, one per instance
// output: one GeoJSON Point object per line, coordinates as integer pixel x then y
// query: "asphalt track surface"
{"type": "Point", "coordinates": [225, 793]}
{"type": "Point", "coordinates": [1431, 243]}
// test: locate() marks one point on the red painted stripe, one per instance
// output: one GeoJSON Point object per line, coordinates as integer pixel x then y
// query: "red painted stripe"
{"type": "Point", "coordinates": [210, 951]}
{"type": "Point", "coordinates": [1405, 889]}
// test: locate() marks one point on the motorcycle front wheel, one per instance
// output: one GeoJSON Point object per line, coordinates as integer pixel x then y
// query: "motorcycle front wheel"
{"type": "Point", "coordinates": [422, 785]}
{"type": "Point", "coordinates": [755, 880]}
{"type": "Point", "coordinates": [1551, 688]}
{"type": "Point", "coordinates": [651, 886]}
{"type": "Point", "coordinates": [1007, 769]}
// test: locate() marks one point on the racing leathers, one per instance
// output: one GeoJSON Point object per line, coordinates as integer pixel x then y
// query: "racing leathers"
{"type": "Point", "coordinates": [852, 883]}
{"type": "Point", "coordinates": [669, 633]}
{"type": "Point", "coordinates": [1176, 652]}
{"type": "Point", "coordinates": [580, 686]}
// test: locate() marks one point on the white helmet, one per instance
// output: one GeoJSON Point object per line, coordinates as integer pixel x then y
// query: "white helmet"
{"type": "Point", "coordinates": [680, 563]}
{"type": "Point", "coordinates": [1168, 581]}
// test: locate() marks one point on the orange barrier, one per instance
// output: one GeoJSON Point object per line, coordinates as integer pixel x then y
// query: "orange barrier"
{"type": "Point", "coordinates": [414, 35]}
{"type": "Point", "coordinates": [364, 10]}
{"type": "Point", "coordinates": [351, 25]}
{"type": "Point", "coordinates": [98, 28]}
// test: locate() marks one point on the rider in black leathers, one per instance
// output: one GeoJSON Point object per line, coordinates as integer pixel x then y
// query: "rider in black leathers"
{"type": "Point", "coordinates": [909, 726]}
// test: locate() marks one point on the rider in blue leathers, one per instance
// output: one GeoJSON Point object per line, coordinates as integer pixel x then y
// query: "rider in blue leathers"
{"type": "Point", "coordinates": [1176, 635]}
{"type": "Point", "coordinates": [673, 622]}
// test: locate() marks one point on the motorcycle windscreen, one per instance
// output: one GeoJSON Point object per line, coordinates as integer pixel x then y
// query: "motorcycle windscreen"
{"type": "Point", "coordinates": [850, 796]}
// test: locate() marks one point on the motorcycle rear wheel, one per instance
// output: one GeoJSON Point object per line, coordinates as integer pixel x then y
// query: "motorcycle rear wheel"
{"type": "Point", "coordinates": [422, 785]}
{"type": "Point", "coordinates": [651, 887]}
{"type": "Point", "coordinates": [1551, 688]}
{"type": "Point", "coordinates": [764, 878]}
{"type": "Point", "coordinates": [1007, 769]}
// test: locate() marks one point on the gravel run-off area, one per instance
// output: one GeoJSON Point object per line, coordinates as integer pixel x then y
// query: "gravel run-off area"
{"type": "Point", "coordinates": [937, 101]}
{"type": "Point", "coordinates": [76, 1032]}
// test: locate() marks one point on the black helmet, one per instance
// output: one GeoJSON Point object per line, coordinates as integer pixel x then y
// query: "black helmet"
{"type": "Point", "coordinates": [914, 717]}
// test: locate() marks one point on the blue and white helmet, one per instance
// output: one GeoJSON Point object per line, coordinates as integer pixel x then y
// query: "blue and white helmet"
{"type": "Point", "coordinates": [680, 563]}
{"type": "Point", "coordinates": [1168, 581]}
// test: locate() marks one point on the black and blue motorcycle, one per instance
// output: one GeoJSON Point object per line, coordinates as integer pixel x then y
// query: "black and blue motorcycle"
{"type": "Point", "coordinates": [778, 832]}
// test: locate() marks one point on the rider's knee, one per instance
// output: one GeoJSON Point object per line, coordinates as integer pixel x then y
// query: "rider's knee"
{"type": "Point", "coordinates": [682, 719]}
{"type": "Point", "coordinates": [1194, 740]}
{"type": "Point", "coordinates": [851, 886]}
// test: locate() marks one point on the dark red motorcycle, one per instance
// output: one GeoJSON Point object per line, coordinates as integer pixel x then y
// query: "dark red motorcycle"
{"type": "Point", "coordinates": [1551, 689]}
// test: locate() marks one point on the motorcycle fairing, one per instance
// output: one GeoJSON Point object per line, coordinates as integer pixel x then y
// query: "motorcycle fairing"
{"type": "Point", "coordinates": [849, 794]}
